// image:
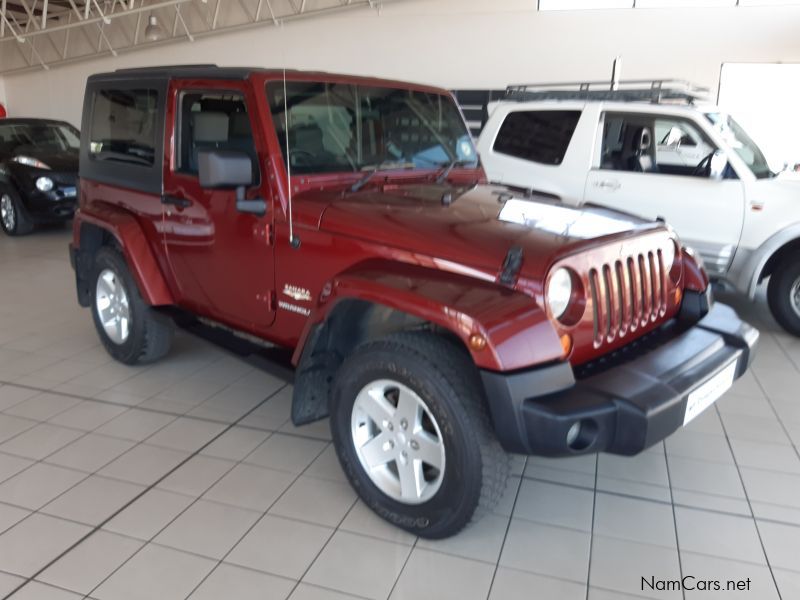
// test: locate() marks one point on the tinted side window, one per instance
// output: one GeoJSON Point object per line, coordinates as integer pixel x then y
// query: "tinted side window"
{"type": "Point", "coordinates": [538, 136]}
{"type": "Point", "coordinates": [123, 127]}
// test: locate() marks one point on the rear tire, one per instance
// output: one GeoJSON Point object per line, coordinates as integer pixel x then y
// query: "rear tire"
{"type": "Point", "coordinates": [783, 294]}
{"type": "Point", "coordinates": [13, 218]}
{"type": "Point", "coordinates": [131, 330]}
{"type": "Point", "coordinates": [458, 469]}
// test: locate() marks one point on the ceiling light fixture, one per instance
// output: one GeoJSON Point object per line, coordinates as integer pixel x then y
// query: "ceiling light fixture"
{"type": "Point", "coordinates": [153, 32]}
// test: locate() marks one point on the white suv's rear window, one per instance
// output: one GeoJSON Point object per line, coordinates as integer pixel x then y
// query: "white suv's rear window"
{"type": "Point", "coordinates": [541, 136]}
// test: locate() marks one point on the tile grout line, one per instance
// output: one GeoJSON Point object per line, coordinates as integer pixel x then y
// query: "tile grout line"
{"type": "Point", "coordinates": [777, 416]}
{"type": "Point", "coordinates": [750, 505]}
{"type": "Point", "coordinates": [674, 517]}
{"type": "Point", "coordinates": [259, 519]}
{"type": "Point", "coordinates": [508, 528]}
{"type": "Point", "coordinates": [591, 532]}
{"type": "Point", "coordinates": [98, 527]}
{"type": "Point", "coordinates": [144, 409]}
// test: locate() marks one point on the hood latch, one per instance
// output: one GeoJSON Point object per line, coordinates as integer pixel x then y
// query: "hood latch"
{"type": "Point", "coordinates": [511, 266]}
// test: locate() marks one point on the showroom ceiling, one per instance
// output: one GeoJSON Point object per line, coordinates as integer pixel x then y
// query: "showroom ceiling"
{"type": "Point", "coordinates": [36, 34]}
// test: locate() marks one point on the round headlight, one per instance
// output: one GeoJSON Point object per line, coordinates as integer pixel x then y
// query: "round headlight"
{"type": "Point", "coordinates": [559, 292]}
{"type": "Point", "coordinates": [672, 265]}
{"type": "Point", "coordinates": [44, 184]}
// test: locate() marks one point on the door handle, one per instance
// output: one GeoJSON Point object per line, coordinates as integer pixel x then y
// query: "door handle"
{"type": "Point", "coordinates": [175, 201]}
{"type": "Point", "coordinates": [608, 184]}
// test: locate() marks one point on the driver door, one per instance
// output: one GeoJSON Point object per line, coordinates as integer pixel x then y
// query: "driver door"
{"type": "Point", "coordinates": [636, 172]}
{"type": "Point", "coordinates": [221, 259]}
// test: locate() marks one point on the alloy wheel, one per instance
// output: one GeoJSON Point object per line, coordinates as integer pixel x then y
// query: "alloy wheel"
{"type": "Point", "coordinates": [113, 308]}
{"type": "Point", "coordinates": [8, 213]}
{"type": "Point", "coordinates": [398, 441]}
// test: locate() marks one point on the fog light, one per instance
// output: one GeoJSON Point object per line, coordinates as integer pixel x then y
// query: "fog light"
{"type": "Point", "coordinates": [44, 184]}
{"type": "Point", "coordinates": [582, 434]}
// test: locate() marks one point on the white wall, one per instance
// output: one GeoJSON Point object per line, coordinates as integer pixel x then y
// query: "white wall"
{"type": "Point", "coordinates": [461, 43]}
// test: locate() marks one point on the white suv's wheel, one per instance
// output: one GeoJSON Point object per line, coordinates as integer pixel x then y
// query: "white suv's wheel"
{"type": "Point", "coordinates": [783, 294]}
{"type": "Point", "coordinates": [131, 331]}
{"type": "Point", "coordinates": [412, 433]}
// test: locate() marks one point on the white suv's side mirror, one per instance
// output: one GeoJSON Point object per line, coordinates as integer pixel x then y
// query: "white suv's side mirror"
{"type": "Point", "coordinates": [717, 165]}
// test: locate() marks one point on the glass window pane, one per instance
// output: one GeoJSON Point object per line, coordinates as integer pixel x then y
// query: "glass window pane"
{"type": "Point", "coordinates": [683, 3]}
{"type": "Point", "coordinates": [767, 2]}
{"type": "Point", "coordinates": [538, 136]}
{"type": "Point", "coordinates": [124, 126]}
{"type": "Point", "coordinates": [337, 127]}
{"type": "Point", "coordinates": [581, 4]}
{"type": "Point", "coordinates": [213, 121]}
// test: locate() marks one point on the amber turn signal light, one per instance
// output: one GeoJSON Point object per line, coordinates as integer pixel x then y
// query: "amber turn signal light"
{"type": "Point", "coordinates": [678, 295]}
{"type": "Point", "coordinates": [477, 342]}
{"type": "Point", "coordinates": [566, 344]}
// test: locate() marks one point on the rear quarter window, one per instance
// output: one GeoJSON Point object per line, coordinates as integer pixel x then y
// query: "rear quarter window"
{"type": "Point", "coordinates": [123, 126]}
{"type": "Point", "coordinates": [539, 136]}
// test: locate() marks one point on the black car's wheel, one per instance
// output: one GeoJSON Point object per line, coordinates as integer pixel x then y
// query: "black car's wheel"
{"type": "Point", "coordinates": [13, 218]}
{"type": "Point", "coordinates": [131, 331]}
{"type": "Point", "coordinates": [412, 433]}
{"type": "Point", "coordinates": [783, 294]}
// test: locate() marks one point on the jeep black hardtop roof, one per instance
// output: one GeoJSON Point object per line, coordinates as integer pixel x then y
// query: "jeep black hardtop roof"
{"type": "Point", "coordinates": [201, 71]}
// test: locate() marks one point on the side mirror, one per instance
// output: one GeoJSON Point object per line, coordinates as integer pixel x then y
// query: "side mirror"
{"type": "Point", "coordinates": [224, 169]}
{"type": "Point", "coordinates": [717, 165]}
{"type": "Point", "coordinates": [228, 169]}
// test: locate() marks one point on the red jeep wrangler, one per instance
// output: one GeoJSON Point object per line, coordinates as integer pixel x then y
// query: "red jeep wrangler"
{"type": "Point", "coordinates": [439, 321]}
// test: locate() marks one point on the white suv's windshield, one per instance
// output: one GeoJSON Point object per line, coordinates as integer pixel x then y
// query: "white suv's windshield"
{"type": "Point", "coordinates": [737, 138]}
{"type": "Point", "coordinates": [338, 127]}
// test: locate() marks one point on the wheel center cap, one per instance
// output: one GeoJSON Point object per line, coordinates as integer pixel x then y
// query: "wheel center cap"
{"type": "Point", "coordinates": [401, 438]}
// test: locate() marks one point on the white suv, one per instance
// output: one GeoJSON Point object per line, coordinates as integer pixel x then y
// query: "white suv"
{"type": "Point", "coordinates": [657, 151]}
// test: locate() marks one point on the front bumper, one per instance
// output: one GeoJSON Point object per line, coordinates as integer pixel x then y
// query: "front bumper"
{"type": "Point", "coordinates": [624, 409]}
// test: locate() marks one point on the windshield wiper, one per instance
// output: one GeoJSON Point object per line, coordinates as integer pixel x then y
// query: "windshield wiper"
{"type": "Point", "coordinates": [445, 170]}
{"type": "Point", "coordinates": [372, 170]}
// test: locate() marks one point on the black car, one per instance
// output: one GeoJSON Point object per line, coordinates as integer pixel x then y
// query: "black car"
{"type": "Point", "coordinates": [38, 173]}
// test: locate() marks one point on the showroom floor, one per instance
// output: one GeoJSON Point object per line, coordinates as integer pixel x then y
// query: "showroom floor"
{"type": "Point", "coordinates": [186, 479]}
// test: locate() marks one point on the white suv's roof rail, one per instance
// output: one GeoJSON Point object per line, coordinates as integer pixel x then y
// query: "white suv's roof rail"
{"type": "Point", "coordinates": [635, 90]}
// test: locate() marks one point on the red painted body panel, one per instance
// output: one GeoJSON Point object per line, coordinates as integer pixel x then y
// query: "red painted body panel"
{"type": "Point", "coordinates": [131, 218]}
{"type": "Point", "coordinates": [395, 242]}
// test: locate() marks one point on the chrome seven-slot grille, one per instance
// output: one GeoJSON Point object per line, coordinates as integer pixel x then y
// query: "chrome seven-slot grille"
{"type": "Point", "coordinates": [627, 294]}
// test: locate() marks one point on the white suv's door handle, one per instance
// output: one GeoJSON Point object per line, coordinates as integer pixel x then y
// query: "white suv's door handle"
{"type": "Point", "coordinates": [608, 184]}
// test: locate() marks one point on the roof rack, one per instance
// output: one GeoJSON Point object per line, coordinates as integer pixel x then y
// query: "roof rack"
{"type": "Point", "coordinates": [657, 91]}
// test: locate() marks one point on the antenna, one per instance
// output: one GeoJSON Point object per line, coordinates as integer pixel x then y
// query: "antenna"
{"type": "Point", "coordinates": [293, 241]}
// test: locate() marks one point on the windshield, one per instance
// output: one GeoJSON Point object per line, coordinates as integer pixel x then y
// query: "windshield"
{"type": "Point", "coordinates": [19, 138]}
{"type": "Point", "coordinates": [746, 148]}
{"type": "Point", "coordinates": [338, 127]}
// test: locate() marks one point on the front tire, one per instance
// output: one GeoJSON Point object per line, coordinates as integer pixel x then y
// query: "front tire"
{"type": "Point", "coordinates": [131, 331]}
{"type": "Point", "coordinates": [13, 218]}
{"type": "Point", "coordinates": [412, 433]}
{"type": "Point", "coordinates": [783, 294]}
